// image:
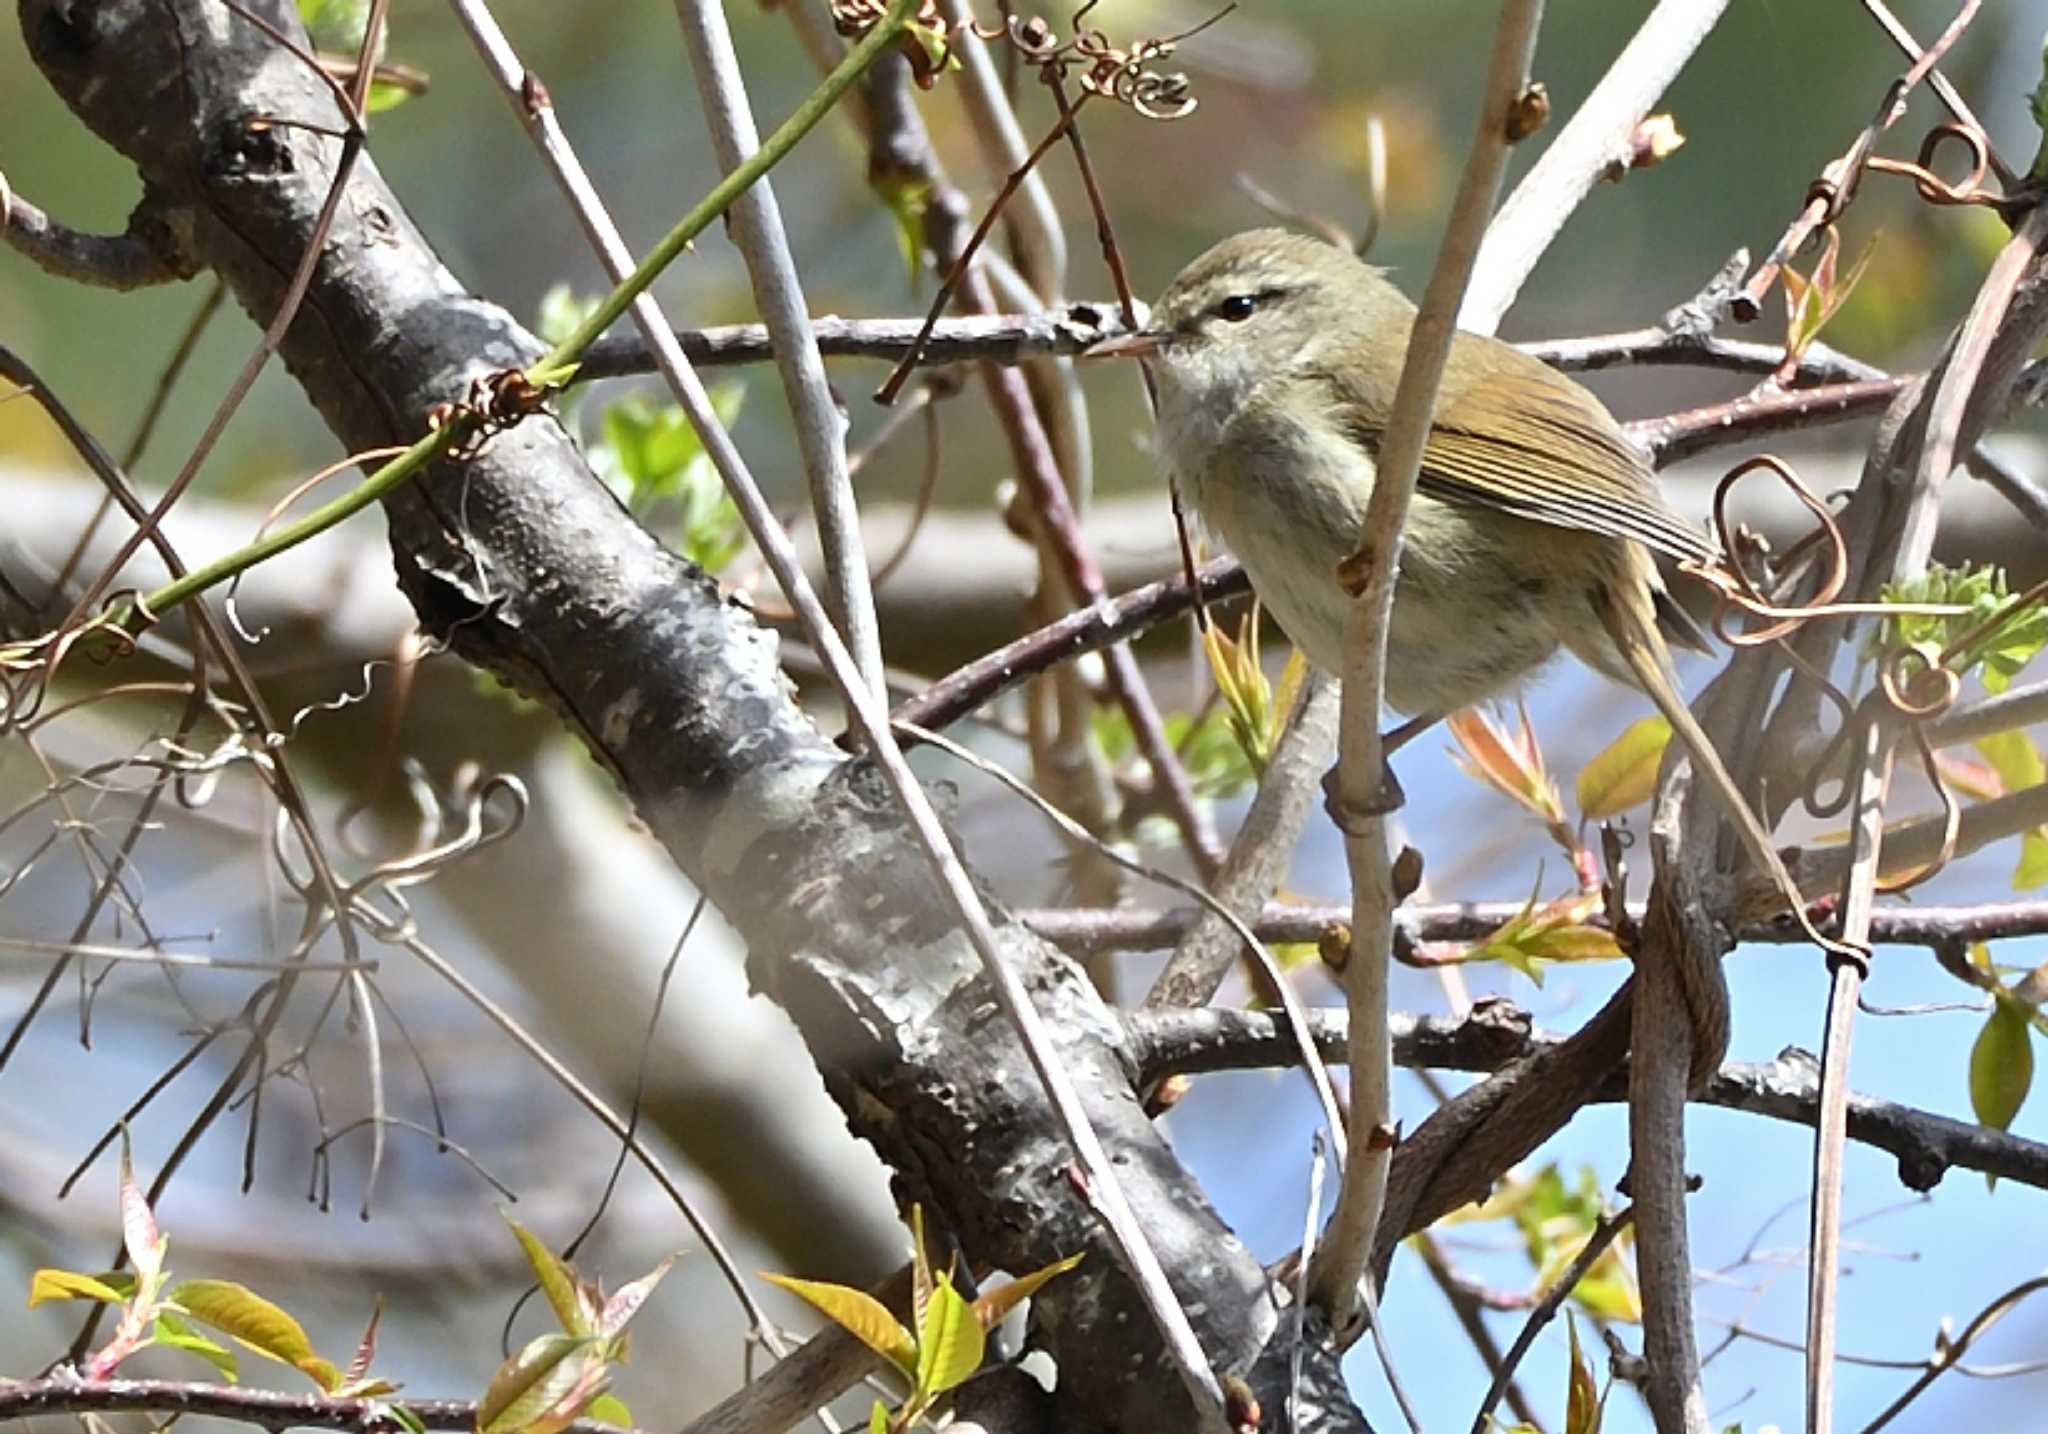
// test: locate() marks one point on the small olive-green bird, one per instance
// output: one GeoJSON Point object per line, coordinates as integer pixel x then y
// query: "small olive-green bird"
{"type": "Point", "coordinates": [1534, 520]}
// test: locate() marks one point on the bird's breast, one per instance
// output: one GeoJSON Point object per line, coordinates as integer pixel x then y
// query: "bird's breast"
{"type": "Point", "coordinates": [1472, 611]}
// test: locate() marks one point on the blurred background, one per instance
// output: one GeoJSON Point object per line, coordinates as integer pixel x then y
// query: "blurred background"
{"type": "Point", "coordinates": [569, 920]}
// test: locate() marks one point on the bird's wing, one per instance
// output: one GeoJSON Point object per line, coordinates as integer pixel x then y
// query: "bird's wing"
{"type": "Point", "coordinates": [1547, 450]}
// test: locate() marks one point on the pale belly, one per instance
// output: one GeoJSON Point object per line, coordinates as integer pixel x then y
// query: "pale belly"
{"type": "Point", "coordinates": [1470, 621]}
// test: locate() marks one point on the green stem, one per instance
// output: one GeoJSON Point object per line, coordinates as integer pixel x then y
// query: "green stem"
{"type": "Point", "coordinates": [557, 368]}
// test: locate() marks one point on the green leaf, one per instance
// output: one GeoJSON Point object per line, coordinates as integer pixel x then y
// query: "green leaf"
{"type": "Point", "coordinates": [992, 1308]}
{"type": "Point", "coordinates": [609, 1409]}
{"type": "Point", "coordinates": [1980, 596]}
{"type": "Point", "coordinates": [655, 460]}
{"type": "Point", "coordinates": [114, 1287]}
{"type": "Point", "coordinates": [2001, 1064]}
{"type": "Point", "coordinates": [386, 95]}
{"type": "Point", "coordinates": [1623, 775]}
{"type": "Point", "coordinates": [557, 1281]}
{"type": "Point", "coordinates": [878, 1418]}
{"type": "Point", "coordinates": [251, 1320]}
{"type": "Point", "coordinates": [412, 1422]}
{"type": "Point", "coordinates": [861, 1315]}
{"type": "Point", "coordinates": [949, 1341]}
{"type": "Point", "coordinates": [543, 1387]}
{"type": "Point", "coordinates": [339, 25]}
{"type": "Point", "coordinates": [173, 1331]}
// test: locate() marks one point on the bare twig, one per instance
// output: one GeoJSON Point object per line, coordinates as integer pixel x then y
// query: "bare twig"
{"type": "Point", "coordinates": [265, 1408]}
{"type": "Point", "coordinates": [1241, 935]}
{"type": "Point", "coordinates": [1599, 135]}
{"type": "Point", "coordinates": [1870, 779]}
{"type": "Point", "coordinates": [1343, 1256]}
{"type": "Point", "coordinates": [1261, 850]}
{"type": "Point", "coordinates": [756, 225]}
{"type": "Point", "coordinates": [1083, 931]}
{"type": "Point", "coordinates": [1471, 1318]}
{"type": "Point", "coordinates": [1953, 1348]}
{"type": "Point", "coordinates": [1089, 629]}
{"type": "Point", "coordinates": [964, 338]}
{"type": "Point", "coordinates": [109, 261]}
{"type": "Point", "coordinates": [1831, 193]}
{"type": "Point", "coordinates": [1589, 1254]}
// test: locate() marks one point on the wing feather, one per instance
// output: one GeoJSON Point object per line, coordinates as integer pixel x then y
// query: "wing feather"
{"type": "Point", "coordinates": [1558, 457]}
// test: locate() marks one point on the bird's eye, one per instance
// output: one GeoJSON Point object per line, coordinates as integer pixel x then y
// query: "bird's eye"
{"type": "Point", "coordinates": [1238, 307]}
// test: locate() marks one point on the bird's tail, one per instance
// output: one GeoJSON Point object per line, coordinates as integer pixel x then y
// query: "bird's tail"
{"type": "Point", "coordinates": [1630, 620]}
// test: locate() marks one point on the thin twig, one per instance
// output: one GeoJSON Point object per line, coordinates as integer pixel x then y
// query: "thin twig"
{"type": "Point", "coordinates": [755, 221]}
{"type": "Point", "coordinates": [1599, 135]}
{"type": "Point", "coordinates": [1342, 1259]}
{"type": "Point", "coordinates": [1870, 780]}
{"type": "Point", "coordinates": [1084, 932]}
{"type": "Point", "coordinates": [1954, 1348]}
{"type": "Point", "coordinates": [1603, 1235]}
{"type": "Point", "coordinates": [1276, 978]}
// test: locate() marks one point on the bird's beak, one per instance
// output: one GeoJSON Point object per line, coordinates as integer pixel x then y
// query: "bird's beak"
{"type": "Point", "coordinates": [1135, 345]}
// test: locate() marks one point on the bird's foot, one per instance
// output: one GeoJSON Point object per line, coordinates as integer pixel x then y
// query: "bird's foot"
{"type": "Point", "coordinates": [1351, 817]}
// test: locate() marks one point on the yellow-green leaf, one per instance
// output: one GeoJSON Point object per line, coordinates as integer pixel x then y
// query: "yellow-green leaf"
{"type": "Point", "coordinates": [557, 1281]}
{"type": "Point", "coordinates": [251, 1320]}
{"type": "Point", "coordinates": [543, 1387]}
{"type": "Point", "coordinates": [1623, 775]}
{"type": "Point", "coordinates": [114, 1287]}
{"type": "Point", "coordinates": [321, 1371]}
{"type": "Point", "coordinates": [1582, 1398]}
{"type": "Point", "coordinates": [610, 1409]}
{"type": "Point", "coordinates": [908, 197]}
{"type": "Point", "coordinates": [949, 1341]}
{"type": "Point", "coordinates": [921, 1280]}
{"type": "Point", "coordinates": [174, 1332]}
{"type": "Point", "coordinates": [878, 1418]}
{"type": "Point", "coordinates": [2001, 1064]}
{"type": "Point", "coordinates": [1555, 931]}
{"type": "Point", "coordinates": [2032, 870]}
{"type": "Point", "coordinates": [388, 95]}
{"type": "Point", "coordinates": [2015, 758]}
{"type": "Point", "coordinates": [992, 1308]}
{"type": "Point", "coordinates": [861, 1315]}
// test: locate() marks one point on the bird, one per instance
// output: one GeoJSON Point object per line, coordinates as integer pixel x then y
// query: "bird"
{"type": "Point", "coordinates": [1535, 521]}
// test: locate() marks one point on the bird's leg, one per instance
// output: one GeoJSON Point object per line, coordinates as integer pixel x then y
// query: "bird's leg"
{"type": "Point", "coordinates": [1389, 798]}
